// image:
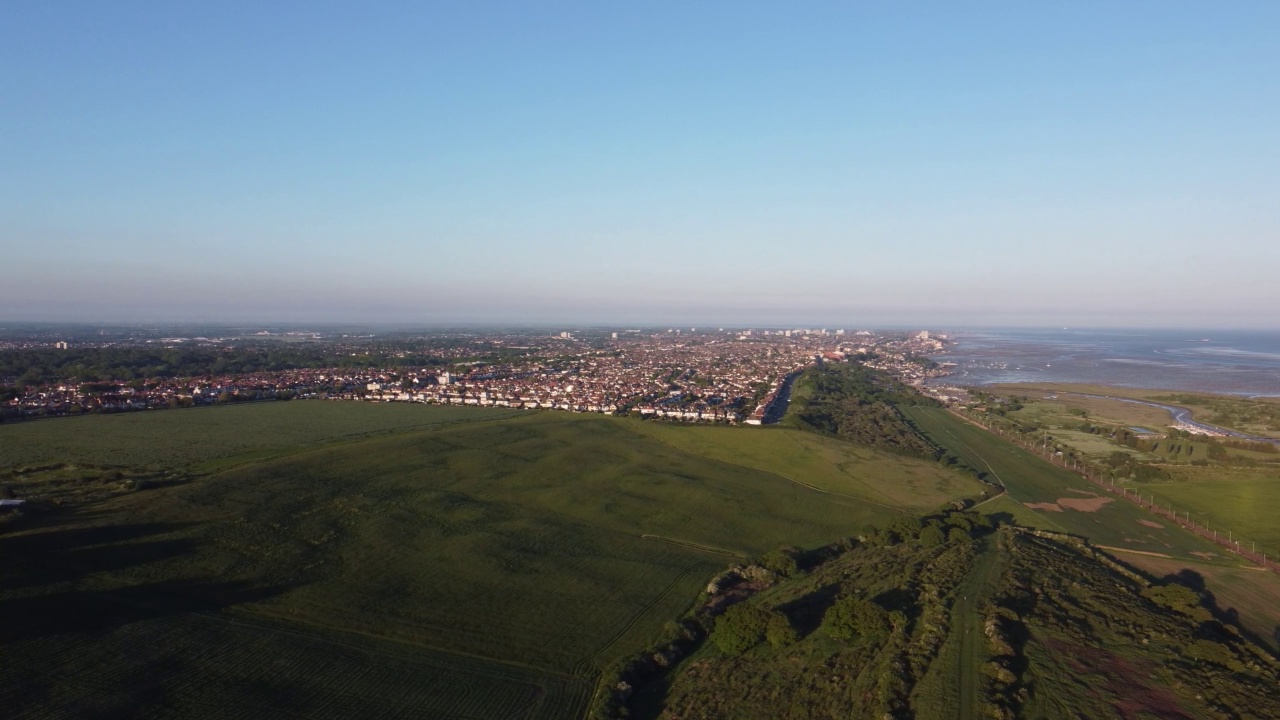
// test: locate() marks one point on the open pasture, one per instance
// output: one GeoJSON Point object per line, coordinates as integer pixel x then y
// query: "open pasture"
{"type": "Point", "coordinates": [1065, 501]}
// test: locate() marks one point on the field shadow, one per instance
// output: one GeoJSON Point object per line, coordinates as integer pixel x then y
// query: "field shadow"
{"type": "Point", "coordinates": [67, 580]}
{"type": "Point", "coordinates": [98, 611]}
{"type": "Point", "coordinates": [1000, 519]}
{"type": "Point", "coordinates": [64, 554]}
{"type": "Point", "coordinates": [1196, 582]}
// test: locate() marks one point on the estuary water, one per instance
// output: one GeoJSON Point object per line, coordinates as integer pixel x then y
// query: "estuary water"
{"type": "Point", "coordinates": [1230, 362]}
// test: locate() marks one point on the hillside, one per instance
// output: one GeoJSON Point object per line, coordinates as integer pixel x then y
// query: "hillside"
{"type": "Point", "coordinates": [1015, 623]}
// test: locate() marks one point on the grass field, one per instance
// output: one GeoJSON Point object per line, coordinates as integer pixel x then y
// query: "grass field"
{"type": "Point", "coordinates": [507, 557]}
{"type": "Point", "coordinates": [825, 463]}
{"type": "Point", "coordinates": [210, 438]}
{"type": "Point", "coordinates": [1242, 499]}
{"type": "Point", "coordinates": [1049, 492]}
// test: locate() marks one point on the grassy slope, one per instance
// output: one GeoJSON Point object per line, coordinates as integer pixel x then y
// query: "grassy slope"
{"type": "Point", "coordinates": [1243, 499]}
{"type": "Point", "coordinates": [533, 539]}
{"type": "Point", "coordinates": [827, 463]}
{"type": "Point", "coordinates": [1032, 480]}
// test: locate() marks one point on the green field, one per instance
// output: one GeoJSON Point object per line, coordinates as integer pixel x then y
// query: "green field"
{"type": "Point", "coordinates": [826, 463]}
{"type": "Point", "coordinates": [506, 557]}
{"type": "Point", "coordinates": [1048, 492]}
{"type": "Point", "coordinates": [208, 438]}
{"type": "Point", "coordinates": [1242, 499]}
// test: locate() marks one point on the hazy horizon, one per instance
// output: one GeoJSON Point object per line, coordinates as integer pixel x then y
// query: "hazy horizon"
{"type": "Point", "coordinates": [578, 163]}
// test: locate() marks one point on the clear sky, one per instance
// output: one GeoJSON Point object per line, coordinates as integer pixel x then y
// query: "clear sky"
{"type": "Point", "coordinates": [1109, 163]}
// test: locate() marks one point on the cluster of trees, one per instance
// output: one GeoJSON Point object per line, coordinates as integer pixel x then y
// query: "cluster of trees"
{"type": "Point", "coordinates": [857, 403]}
{"type": "Point", "coordinates": [950, 527]}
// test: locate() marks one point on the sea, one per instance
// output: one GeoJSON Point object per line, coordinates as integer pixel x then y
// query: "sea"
{"type": "Point", "coordinates": [1233, 362]}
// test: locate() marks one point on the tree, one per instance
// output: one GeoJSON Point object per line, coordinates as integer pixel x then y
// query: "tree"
{"type": "Point", "coordinates": [852, 616]}
{"type": "Point", "coordinates": [783, 560]}
{"type": "Point", "coordinates": [932, 536]}
{"type": "Point", "coordinates": [739, 629]}
{"type": "Point", "coordinates": [779, 631]}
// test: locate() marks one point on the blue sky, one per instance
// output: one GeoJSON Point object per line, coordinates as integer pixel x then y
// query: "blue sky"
{"type": "Point", "coordinates": [914, 163]}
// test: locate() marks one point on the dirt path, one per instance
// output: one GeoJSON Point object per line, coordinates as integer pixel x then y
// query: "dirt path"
{"type": "Point", "coordinates": [966, 625]}
{"type": "Point", "coordinates": [694, 546]}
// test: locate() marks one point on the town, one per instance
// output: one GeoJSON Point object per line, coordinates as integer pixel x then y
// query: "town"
{"type": "Point", "coordinates": [688, 375]}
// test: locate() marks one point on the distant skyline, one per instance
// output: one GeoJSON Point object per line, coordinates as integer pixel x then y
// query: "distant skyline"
{"type": "Point", "coordinates": [1094, 165]}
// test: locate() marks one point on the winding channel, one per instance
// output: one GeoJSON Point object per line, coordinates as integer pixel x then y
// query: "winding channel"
{"type": "Point", "coordinates": [1183, 416]}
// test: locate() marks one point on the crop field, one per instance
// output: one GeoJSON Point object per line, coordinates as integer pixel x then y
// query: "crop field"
{"type": "Point", "coordinates": [1065, 501]}
{"type": "Point", "coordinates": [505, 556]}
{"type": "Point", "coordinates": [826, 463]}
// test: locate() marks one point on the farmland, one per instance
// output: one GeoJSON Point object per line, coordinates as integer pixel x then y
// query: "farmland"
{"type": "Point", "coordinates": [505, 558]}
